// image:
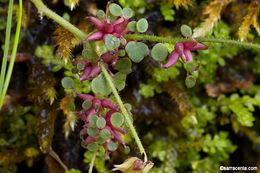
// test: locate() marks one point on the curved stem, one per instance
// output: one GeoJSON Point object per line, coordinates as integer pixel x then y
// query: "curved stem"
{"type": "Point", "coordinates": [124, 111]}
{"type": "Point", "coordinates": [91, 166]}
{"type": "Point", "coordinates": [200, 39]}
{"type": "Point", "coordinates": [46, 11]}
{"type": "Point", "coordinates": [6, 47]}
{"type": "Point", "coordinates": [13, 55]}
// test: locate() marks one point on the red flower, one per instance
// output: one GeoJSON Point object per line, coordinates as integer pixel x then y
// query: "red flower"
{"type": "Point", "coordinates": [183, 50]}
{"type": "Point", "coordinates": [98, 107]}
{"type": "Point", "coordinates": [117, 28]}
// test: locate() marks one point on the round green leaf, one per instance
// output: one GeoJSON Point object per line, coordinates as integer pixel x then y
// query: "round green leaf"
{"type": "Point", "coordinates": [128, 107]}
{"type": "Point", "coordinates": [136, 51]}
{"type": "Point", "coordinates": [195, 74]}
{"type": "Point", "coordinates": [93, 147]}
{"type": "Point", "coordinates": [105, 134]}
{"type": "Point", "coordinates": [117, 119]}
{"type": "Point", "coordinates": [124, 65]}
{"type": "Point", "coordinates": [80, 66]}
{"type": "Point", "coordinates": [93, 121]}
{"type": "Point", "coordinates": [89, 52]}
{"type": "Point", "coordinates": [142, 25]}
{"type": "Point", "coordinates": [128, 12]}
{"type": "Point", "coordinates": [101, 123]}
{"type": "Point", "coordinates": [92, 131]}
{"type": "Point", "coordinates": [112, 146]}
{"type": "Point", "coordinates": [127, 150]}
{"type": "Point", "coordinates": [123, 41]}
{"type": "Point", "coordinates": [190, 81]}
{"type": "Point", "coordinates": [86, 104]}
{"type": "Point", "coordinates": [159, 52]}
{"type": "Point", "coordinates": [186, 31]}
{"type": "Point", "coordinates": [100, 86]}
{"type": "Point", "coordinates": [67, 82]}
{"type": "Point", "coordinates": [190, 66]}
{"type": "Point", "coordinates": [132, 26]}
{"type": "Point", "coordinates": [115, 9]}
{"type": "Point", "coordinates": [119, 80]}
{"type": "Point", "coordinates": [121, 52]}
{"type": "Point", "coordinates": [112, 42]}
{"type": "Point", "coordinates": [100, 14]}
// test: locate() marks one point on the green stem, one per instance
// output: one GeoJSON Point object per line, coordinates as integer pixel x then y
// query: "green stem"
{"type": "Point", "coordinates": [6, 47]}
{"type": "Point", "coordinates": [200, 39]}
{"type": "Point", "coordinates": [46, 11]}
{"type": "Point", "coordinates": [124, 111]}
{"type": "Point", "coordinates": [13, 55]}
{"type": "Point", "coordinates": [91, 166]}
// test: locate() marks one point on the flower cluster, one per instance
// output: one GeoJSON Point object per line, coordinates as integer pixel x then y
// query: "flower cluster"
{"type": "Point", "coordinates": [183, 50]}
{"type": "Point", "coordinates": [117, 28]}
{"type": "Point", "coordinates": [102, 123]}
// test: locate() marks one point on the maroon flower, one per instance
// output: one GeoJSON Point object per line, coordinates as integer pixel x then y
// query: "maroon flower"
{"type": "Point", "coordinates": [90, 71]}
{"type": "Point", "coordinates": [101, 108]}
{"type": "Point", "coordinates": [117, 27]}
{"type": "Point", "coordinates": [183, 50]}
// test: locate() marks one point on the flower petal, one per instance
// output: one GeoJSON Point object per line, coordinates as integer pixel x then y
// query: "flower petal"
{"type": "Point", "coordinates": [173, 57]}
{"type": "Point", "coordinates": [94, 71]}
{"type": "Point", "coordinates": [98, 24]}
{"type": "Point", "coordinates": [199, 46]}
{"type": "Point", "coordinates": [85, 96]}
{"type": "Point", "coordinates": [95, 36]}
{"type": "Point", "coordinates": [106, 103]}
{"type": "Point", "coordinates": [179, 48]}
{"type": "Point", "coordinates": [187, 55]}
{"type": "Point", "coordinates": [85, 75]}
{"type": "Point", "coordinates": [121, 28]}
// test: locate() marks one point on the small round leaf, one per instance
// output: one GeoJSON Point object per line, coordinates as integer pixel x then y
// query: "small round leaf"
{"type": "Point", "coordinates": [132, 26]}
{"type": "Point", "coordinates": [100, 86]}
{"type": "Point", "coordinates": [105, 134]}
{"type": "Point", "coordinates": [119, 80]}
{"type": "Point", "coordinates": [100, 14]}
{"type": "Point", "coordinates": [93, 121]}
{"type": "Point", "coordinates": [124, 65]}
{"type": "Point", "coordinates": [93, 147]}
{"type": "Point", "coordinates": [186, 31]}
{"type": "Point", "coordinates": [115, 9]}
{"type": "Point", "coordinates": [159, 52]}
{"type": "Point", "coordinates": [136, 51]}
{"type": "Point", "coordinates": [92, 131]}
{"type": "Point", "coordinates": [190, 81]}
{"type": "Point", "coordinates": [142, 25]}
{"type": "Point", "coordinates": [86, 104]}
{"type": "Point", "coordinates": [101, 123]}
{"type": "Point", "coordinates": [127, 150]}
{"type": "Point", "coordinates": [121, 52]}
{"type": "Point", "coordinates": [80, 66]}
{"type": "Point", "coordinates": [117, 119]}
{"type": "Point", "coordinates": [112, 146]}
{"type": "Point", "coordinates": [67, 82]}
{"type": "Point", "coordinates": [190, 66]}
{"type": "Point", "coordinates": [128, 12]}
{"type": "Point", "coordinates": [195, 74]}
{"type": "Point", "coordinates": [112, 42]}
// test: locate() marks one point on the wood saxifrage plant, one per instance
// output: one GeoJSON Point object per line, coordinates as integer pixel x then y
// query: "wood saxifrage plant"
{"type": "Point", "coordinates": [106, 60]}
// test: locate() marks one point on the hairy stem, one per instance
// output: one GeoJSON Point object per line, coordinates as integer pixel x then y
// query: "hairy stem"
{"type": "Point", "coordinates": [124, 111]}
{"type": "Point", "coordinates": [91, 166]}
{"type": "Point", "coordinates": [200, 39]}
{"type": "Point", "coordinates": [6, 47]}
{"type": "Point", "coordinates": [13, 55]}
{"type": "Point", "coordinates": [46, 11]}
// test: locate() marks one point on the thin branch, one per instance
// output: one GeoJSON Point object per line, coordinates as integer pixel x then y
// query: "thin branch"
{"type": "Point", "coordinates": [91, 166]}
{"type": "Point", "coordinates": [124, 111]}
